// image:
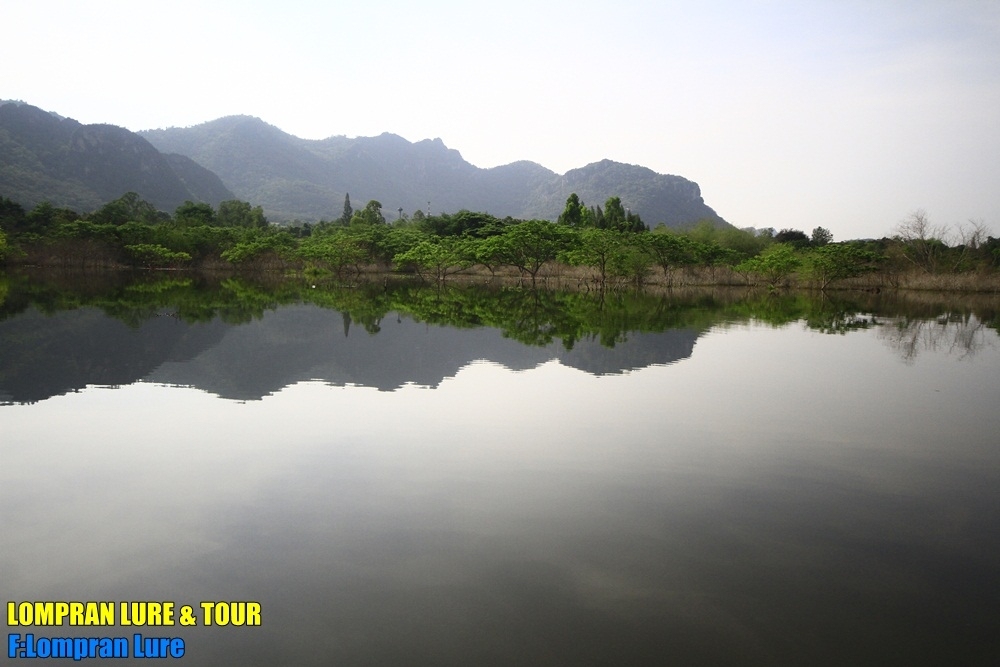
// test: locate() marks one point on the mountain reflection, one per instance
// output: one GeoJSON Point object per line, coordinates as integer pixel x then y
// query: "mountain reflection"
{"type": "Point", "coordinates": [243, 339]}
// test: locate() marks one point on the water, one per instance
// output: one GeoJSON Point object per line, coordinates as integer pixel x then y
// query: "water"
{"type": "Point", "coordinates": [737, 489]}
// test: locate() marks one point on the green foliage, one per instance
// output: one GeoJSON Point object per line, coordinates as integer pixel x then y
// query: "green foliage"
{"type": "Point", "coordinates": [614, 214]}
{"type": "Point", "coordinates": [793, 237]}
{"type": "Point", "coordinates": [235, 213]}
{"type": "Point", "coordinates": [821, 236]}
{"type": "Point", "coordinates": [572, 215]}
{"type": "Point", "coordinates": [191, 214]}
{"type": "Point", "coordinates": [345, 217]}
{"type": "Point", "coordinates": [154, 255]}
{"type": "Point", "coordinates": [491, 252]}
{"type": "Point", "coordinates": [12, 215]}
{"type": "Point", "coordinates": [439, 257]}
{"type": "Point", "coordinates": [3, 245]}
{"type": "Point", "coordinates": [45, 219]}
{"type": "Point", "coordinates": [257, 246]}
{"type": "Point", "coordinates": [829, 263]}
{"type": "Point", "coordinates": [130, 207]}
{"type": "Point", "coordinates": [464, 222]}
{"type": "Point", "coordinates": [85, 229]}
{"type": "Point", "coordinates": [774, 265]}
{"type": "Point", "coordinates": [742, 243]}
{"type": "Point", "coordinates": [334, 251]}
{"type": "Point", "coordinates": [371, 214]}
{"type": "Point", "coordinates": [632, 261]}
{"type": "Point", "coordinates": [598, 248]}
{"type": "Point", "coordinates": [531, 244]}
{"type": "Point", "coordinates": [671, 251]}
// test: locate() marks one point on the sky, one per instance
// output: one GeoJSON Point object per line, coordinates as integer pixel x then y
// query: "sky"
{"type": "Point", "coordinates": [844, 114]}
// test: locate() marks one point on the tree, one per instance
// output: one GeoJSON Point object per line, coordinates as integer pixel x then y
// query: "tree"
{"type": "Point", "coordinates": [614, 214]}
{"type": "Point", "coordinates": [3, 245]}
{"type": "Point", "coordinates": [922, 243]}
{"type": "Point", "coordinates": [337, 251]}
{"type": "Point", "coordinates": [130, 207]}
{"type": "Point", "coordinates": [793, 237]}
{"type": "Point", "coordinates": [831, 262]}
{"type": "Point", "coordinates": [633, 223]}
{"type": "Point", "coordinates": [371, 214]}
{"type": "Point", "coordinates": [257, 246]}
{"type": "Point", "coordinates": [572, 214]}
{"type": "Point", "coordinates": [597, 216]}
{"type": "Point", "coordinates": [491, 252]}
{"type": "Point", "coordinates": [440, 257]}
{"type": "Point", "coordinates": [154, 255]}
{"type": "Point", "coordinates": [46, 218]}
{"type": "Point", "coordinates": [236, 213]}
{"type": "Point", "coordinates": [191, 214]}
{"type": "Point", "coordinates": [774, 264]}
{"type": "Point", "coordinates": [670, 251]}
{"type": "Point", "coordinates": [345, 218]}
{"type": "Point", "coordinates": [464, 222]}
{"type": "Point", "coordinates": [597, 248]}
{"type": "Point", "coordinates": [532, 243]}
{"type": "Point", "coordinates": [821, 236]}
{"type": "Point", "coordinates": [11, 215]}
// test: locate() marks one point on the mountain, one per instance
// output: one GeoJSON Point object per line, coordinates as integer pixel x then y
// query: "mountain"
{"type": "Point", "coordinates": [302, 179]}
{"type": "Point", "coordinates": [45, 157]}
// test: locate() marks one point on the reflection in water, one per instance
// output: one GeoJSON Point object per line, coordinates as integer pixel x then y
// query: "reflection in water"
{"type": "Point", "coordinates": [696, 480]}
{"type": "Point", "coordinates": [960, 334]}
{"type": "Point", "coordinates": [192, 331]}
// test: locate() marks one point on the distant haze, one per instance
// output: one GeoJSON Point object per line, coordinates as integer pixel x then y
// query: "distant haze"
{"type": "Point", "coordinates": [842, 114]}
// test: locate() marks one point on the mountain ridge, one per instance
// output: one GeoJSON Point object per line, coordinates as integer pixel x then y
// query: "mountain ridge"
{"type": "Point", "coordinates": [265, 165]}
{"type": "Point", "coordinates": [47, 157]}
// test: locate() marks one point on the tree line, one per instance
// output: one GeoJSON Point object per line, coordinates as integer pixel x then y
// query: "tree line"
{"type": "Point", "coordinates": [602, 245]}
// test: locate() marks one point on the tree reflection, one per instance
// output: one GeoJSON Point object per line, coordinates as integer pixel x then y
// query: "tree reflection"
{"type": "Point", "coordinates": [962, 334]}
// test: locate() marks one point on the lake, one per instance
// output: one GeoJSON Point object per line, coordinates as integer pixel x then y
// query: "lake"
{"type": "Point", "coordinates": [401, 475]}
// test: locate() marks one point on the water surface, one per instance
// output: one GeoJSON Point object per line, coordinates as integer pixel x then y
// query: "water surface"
{"type": "Point", "coordinates": [702, 480]}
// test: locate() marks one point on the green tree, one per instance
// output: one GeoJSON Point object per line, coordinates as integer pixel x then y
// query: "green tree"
{"type": "Point", "coordinates": [335, 251]}
{"type": "Point", "coordinates": [531, 244]}
{"type": "Point", "coordinates": [821, 236]}
{"type": "Point", "coordinates": [345, 218]}
{"type": "Point", "coordinates": [838, 261]}
{"type": "Point", "coordinates": [256, 247]}
{"type": "Point", "coordinates": [633, 223]}
{"type": "Point", "coordinates": [464, 222]}
{"type": "Point", "coordinates": [12, 215]}
{"type": "Point", "coordinates": [192, 214]}
{"type": "Point", "coordinates": [371, 214]}
{"type": "Point", "coordinates": [670, 252]}
{"type": "Point", "coordinates": [614, 214]}
{"type": "Point", "coordinates": [572, 214]}
{"type": "Point", "coordinates": [439, 257]}
{"type": "Point", "coordinates": [153, 255]}
{"type": "Point", "coordinates": [236, 213]}
{"type": "Point", "coordinates": [46, 219]}
{"type": "Point", "coordinates": [793, 237]}
{"type": "Point", "coordinates": [130, 207]}
{"type": "Point", "coordinates": [774, 265]}
{"type": "Point", "coordinates": [597, 248]}
{"type": "Point", "coordinates": [491, 252]}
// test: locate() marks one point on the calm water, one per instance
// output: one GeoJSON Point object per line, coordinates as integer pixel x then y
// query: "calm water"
{"type": "Point", "coordinates": [410, 482]}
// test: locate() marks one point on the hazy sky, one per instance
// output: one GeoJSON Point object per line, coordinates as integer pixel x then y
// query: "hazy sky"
{"type": "Point", "coordinates": [844, 114]}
